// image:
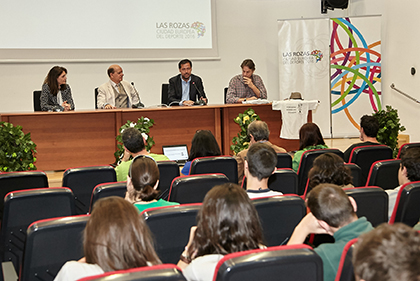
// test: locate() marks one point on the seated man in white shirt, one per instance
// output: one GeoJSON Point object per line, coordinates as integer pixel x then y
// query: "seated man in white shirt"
{"type": "Point", "coordinates": [260, 164]}
{"type": "Point", "coordinates": [409, 171]}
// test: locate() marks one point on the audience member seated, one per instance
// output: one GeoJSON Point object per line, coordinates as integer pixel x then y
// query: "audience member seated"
{"type": "Point", "coordinates": [309, 138]}
{"type": "Point", "coordinates": [134, 145]}
{"type": "Point", "coordinates": [331, 212]}
{"type": "Point", "coordinates": [329, 168]}
{"type": "Point", "coordinates": [258, 132]}
{"type": "Point", "coordinates": [142, 182]}
{"type": "Point", "coordinates": [260, 164]}
{"type": "Point", "coordinates": [388, 253]}
{"type": "Point", "coordinates": [409, 171]}
{"type": "Point", "coordinates": [56, 93]}
{"type": "Point", "coordinates": [226, 223]}
{"type": "Point", "coordinates": [115, 238]}
{"type": "Point", "coordinates": [203, 144]}
{"type": "Point", "coordinates": [369, 127]}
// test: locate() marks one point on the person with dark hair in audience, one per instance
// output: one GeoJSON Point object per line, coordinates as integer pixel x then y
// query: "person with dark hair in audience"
{"type": "Point", "coordinates": [226, 223]}
{"type": "Point", "coordinates": [203, 144]}
{"type": "Point", "coordinates": [330, 168]}
{"type": "Point", "coordinates": [56, 93]}
{"type": "Point", "coordinates": [186, 88]}
{"type": "Point", "coordinates": [331, 212]}
{"type": "Point", "coordinates": [115, 238]}
{"type": "Point", "coordinates": [388, 253]}
{"type": "Point", "coordinates": [142, 183]}
{"type": "Point", "coordinates": [409, 171]}
{"type": "Point", "coordinates": [116, 93]}
{"type": "Point", "coordinates": [134, 145]}
{"type": "Point", "coordinates": [246, 86]}
{"type": "Point", "coordinates": [310, 137]}
{"type": "Point", "coordinates": [260, 164]}
{"type": "Point", "coordinates": [258, 132]}
{"type": "Point", "coordinates": [369, 127]}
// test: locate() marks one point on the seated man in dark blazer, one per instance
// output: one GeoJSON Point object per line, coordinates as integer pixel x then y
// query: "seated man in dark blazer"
{"type": "Point", "coordinates": [186, 88]}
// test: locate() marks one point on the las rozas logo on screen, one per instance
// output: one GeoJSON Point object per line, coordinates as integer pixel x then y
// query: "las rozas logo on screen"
{"type": "Point", "coordinates": [180, 30]}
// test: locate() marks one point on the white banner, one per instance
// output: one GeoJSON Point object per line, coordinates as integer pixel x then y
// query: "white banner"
{"type": "Point", "coordinates": [304, 64]}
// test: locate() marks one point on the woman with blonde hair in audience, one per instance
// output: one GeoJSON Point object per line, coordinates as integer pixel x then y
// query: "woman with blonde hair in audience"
{"type": "Point", "coordinates": [309, 138]}
{"type": "Point", "coordinates": [115, 238]}
{"type": "Point", "coordinates": [142, 183]}
{"type": "Point", "coordinates": [226, 223]}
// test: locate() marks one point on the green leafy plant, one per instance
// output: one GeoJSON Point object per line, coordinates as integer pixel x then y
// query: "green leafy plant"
{"type": "Point", "coordinates": [17, 149]}
{"type": "Point", "coordinates": [143, 124]}
{"type": "Point", "coordinates": [389, 127]}
{"type": "Point", "coordinates": [241, 141]}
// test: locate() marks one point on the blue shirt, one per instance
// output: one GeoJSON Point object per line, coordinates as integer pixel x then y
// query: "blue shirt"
{"type": "Point", "coordinates": [185, 90]}
{"type": "Point", "coordinates": [186, 169]}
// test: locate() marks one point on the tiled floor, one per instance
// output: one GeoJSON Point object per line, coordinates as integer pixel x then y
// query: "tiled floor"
{"type": "Point", "coordinates": [55, 177]}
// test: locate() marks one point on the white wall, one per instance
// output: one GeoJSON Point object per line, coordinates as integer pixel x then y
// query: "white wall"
{"type": "Point", "coordinates": [246, 29]}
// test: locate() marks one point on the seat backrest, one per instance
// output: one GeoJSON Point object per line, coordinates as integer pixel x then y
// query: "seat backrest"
{"type": "Point", "coordinates": [83, 180]}
{"type": "Point", "coordinates": [221, 164]}
{"type": "Point", "coordinates": [96, 97]}
{"type": "Point", "coordinates": [170, 227]}
{"type": "Point", "coordinates": [306, 163]}
{"type": "Point", "coordinates": [365, 156]}
{"type": "Point", "coordinates": [50, 244]}
{"type": "Point", "coordinates": [406, 208]}
{"type": "Point", "coordinates": [284, 180]}
{"type": "Point", "coordinates": [103, 190]}
{"type": "Point", "coordinates": [406, 146]}
{"type": "Point", "coordinates": [21, 208]}
{"type": "Point", "coordinates": [225, 93]}
{"type": "Point", "coordinates": [294, 262]}
{"type": "Point", "coordinates": [279, 216]}
{"type": "Point", "coordinates": [384, 173]}
{"type": "Point", "coordinates": [12, 181]}
{"type": "Point", "coordinates": [161, 272]}
{"type": "Point", "coordinates": [37, 100]}
{"type": "Point", "coordinates": [164, 97]}
{"type": "Point", "coordinates": [356, 174]}
{"type": "Point", "coordinates": [193, 188]}
{"type": "Point", "coordinates": [284, 160]}
{"type": "Point", "coordinates": [372, 203]}
{"type": "Point", "coordinates": [168, 170]}
{"type": "Point", "coordinates": [345, 268]}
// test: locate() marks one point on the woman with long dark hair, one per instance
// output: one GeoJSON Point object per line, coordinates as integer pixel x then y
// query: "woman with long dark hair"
{"type": "Point", "coordinates": [310, 137]}
{"type": "Point", "coordinates": [203, 144]}
{"type": "Point", "coordinates": [226, 223]}
{"type": "Point", "coordinates": [115, 238]}
{"type": "Point", "coordinates": [142, 182]}
{"type": "Point", "coordinates": [56, 93]}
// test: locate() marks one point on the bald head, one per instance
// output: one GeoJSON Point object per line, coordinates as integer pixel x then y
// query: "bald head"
{"type": "Point", "coordinates": [115, 73]}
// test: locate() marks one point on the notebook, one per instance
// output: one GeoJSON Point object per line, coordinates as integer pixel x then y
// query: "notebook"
{"type": "Point", "coordinates": [178, 153]}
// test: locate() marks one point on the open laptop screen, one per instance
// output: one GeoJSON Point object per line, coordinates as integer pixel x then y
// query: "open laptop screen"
{"type": "Point", "coordinates": [177, 153]}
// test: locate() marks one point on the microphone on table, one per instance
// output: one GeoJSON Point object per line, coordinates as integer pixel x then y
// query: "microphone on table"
{"type": "Point", "coordinates": [139, 104]}
{"type": "Point", "coordinates": [200, 101]}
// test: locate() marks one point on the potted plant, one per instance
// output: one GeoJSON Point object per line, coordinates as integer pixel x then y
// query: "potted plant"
{"type": "Point", "coordinates": [241, 141]}
{"type": "Point", "coordinates": [389, 127]}
{"type": "Point", "coordinates": [17, 149]}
